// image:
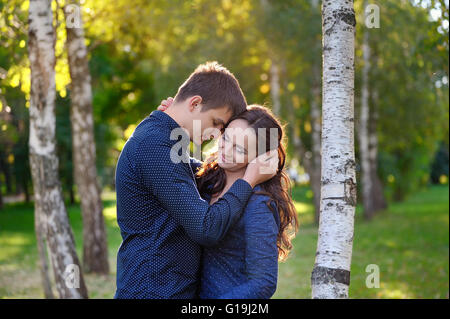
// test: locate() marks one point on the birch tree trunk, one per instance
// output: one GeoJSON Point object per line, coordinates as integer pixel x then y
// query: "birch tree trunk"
{"type": "Point", "coordinates": [366, 179]}
{"type": "Point", "coordinates": [331, 274]}
{"type": "Point", "coordinates": [373, 198]}
{"type": "Point", "coordinates": [95, 249]}
{"type": "Point", "coordinates": [314, 171]}
{"type": "Point", "coordinates": [39, 226]}
{"type": "Point", "coordinates": [379, 200]}
{"type": "Point", "coordinates": [50, 211]}
{"type": "Point", "coordinates": [275, 87]}
{"type": "Point", "coordinates": [315, 139]}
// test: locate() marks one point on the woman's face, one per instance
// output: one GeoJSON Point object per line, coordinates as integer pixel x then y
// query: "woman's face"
{"type": "Point", "coordinates": [237, 146]}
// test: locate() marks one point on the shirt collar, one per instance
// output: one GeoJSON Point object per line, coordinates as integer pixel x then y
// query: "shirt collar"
{"type": "Point", "coordinates": [168, 122]}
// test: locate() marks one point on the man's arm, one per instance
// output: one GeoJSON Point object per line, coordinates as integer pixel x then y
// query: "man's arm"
{"type": "Point", "coordinates": [174, 186]}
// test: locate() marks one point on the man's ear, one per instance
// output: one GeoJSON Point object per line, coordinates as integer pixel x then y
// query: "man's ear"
{"type": "Point", "coordinates": [195, 102]}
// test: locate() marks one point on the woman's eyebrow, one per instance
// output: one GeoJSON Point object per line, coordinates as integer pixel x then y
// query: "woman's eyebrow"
{"type": "Point", "coordinates": [241, 148]}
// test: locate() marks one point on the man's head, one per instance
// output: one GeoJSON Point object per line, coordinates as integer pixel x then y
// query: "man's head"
{"type": "Point", "coordinates": [210, 96]}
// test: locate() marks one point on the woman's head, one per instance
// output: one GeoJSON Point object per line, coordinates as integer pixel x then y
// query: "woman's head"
{"type": "Point", "coordinates": [248, 135]}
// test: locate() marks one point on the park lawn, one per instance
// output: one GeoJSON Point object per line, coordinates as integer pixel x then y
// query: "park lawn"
{"type": "Point", "coordinates": [409, 242]}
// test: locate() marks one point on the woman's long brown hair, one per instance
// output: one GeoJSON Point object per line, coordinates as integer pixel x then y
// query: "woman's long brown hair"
{"type": "Point", "coordinates": [211, 178]}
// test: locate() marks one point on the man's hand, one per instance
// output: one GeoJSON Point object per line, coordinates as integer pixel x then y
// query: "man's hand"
{"type": "Point", "coordinates": [165, 104]}
{"type": "Point", "coordinates": [262, 168]}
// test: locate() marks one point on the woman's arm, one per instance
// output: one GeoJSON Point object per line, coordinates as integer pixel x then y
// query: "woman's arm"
{"type": "Point", "coordinates": [261, 256]}
{"type": "Point", "coordinates": [174, 187]}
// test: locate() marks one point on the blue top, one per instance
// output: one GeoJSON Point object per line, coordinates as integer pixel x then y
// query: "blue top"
{"type": "Point", "coordinates": [162, 218]}
{"type": "Point", "coordinates": [244, 265]}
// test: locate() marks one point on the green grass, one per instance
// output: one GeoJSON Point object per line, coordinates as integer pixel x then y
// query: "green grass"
{"type": "Point", "coordinates": [19, 268]}
{"type": "Point", "coordinates": [409, 242]}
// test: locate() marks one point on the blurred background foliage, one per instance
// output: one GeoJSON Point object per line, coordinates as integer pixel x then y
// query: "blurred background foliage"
{"type": "Point", "coordinates": [141, 52]}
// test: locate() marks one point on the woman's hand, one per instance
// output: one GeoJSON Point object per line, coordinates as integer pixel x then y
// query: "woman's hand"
{"type": "Point", "coordinates": [165, 104]}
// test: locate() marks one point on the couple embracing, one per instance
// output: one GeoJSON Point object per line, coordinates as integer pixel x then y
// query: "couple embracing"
{"type": "Point", "coordinates": [212, 229]}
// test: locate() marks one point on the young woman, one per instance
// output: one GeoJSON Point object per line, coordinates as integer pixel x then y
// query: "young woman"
{"type": "Point", "coordinates": [245, 262]}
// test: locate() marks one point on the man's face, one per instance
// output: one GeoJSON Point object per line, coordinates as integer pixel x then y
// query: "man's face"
{"type": "Point", "coordinates": [212, 122]}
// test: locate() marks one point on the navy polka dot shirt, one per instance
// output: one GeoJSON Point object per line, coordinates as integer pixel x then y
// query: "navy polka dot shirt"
{"type": "Point", "coordinates": [162, 218]}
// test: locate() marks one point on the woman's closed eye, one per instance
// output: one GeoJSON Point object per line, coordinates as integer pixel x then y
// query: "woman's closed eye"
{"type": "Point", "coordinates": [240, 150]}
{"type": "Point", "coordinates": [237, 148]}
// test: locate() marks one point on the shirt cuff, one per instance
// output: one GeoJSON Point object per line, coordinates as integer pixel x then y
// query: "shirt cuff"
{"type": "Point", "coordinates": [241, 188]}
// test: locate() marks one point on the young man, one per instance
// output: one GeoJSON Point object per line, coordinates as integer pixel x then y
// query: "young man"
{"type": "Point", "coordinates": [162, 218]}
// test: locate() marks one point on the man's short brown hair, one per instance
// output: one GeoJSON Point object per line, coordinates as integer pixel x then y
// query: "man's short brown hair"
{"type": "Point", "coordinates": [216, 85]}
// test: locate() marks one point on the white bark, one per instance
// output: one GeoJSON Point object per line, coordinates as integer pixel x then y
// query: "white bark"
{"type": "Point", "coordinates": [366, 179]}
{"type": "Point", "coordinates": [49, 205]}
{"type": "Point", "coordinates": [331, 274]}
{"type": "Point", "coordinates": [42, 251]}
{"type": "Point", "coordinates": [95, 249]}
